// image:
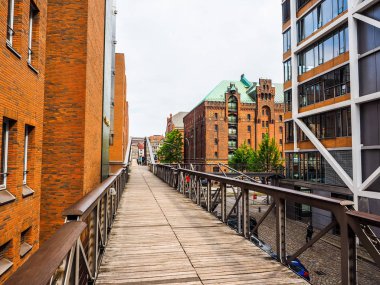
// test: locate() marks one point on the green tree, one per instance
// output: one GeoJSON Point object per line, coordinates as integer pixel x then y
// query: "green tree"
{"type": "Point", "coordinates": [268, 157]}
{"type": "Point", "coordinates": [171, 150]}
{"type": "Point", "coordinates": [242, 158]}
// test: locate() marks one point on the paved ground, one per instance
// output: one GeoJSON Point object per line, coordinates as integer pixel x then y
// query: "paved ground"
{"type": "Point", "coordinates": [161, 237]}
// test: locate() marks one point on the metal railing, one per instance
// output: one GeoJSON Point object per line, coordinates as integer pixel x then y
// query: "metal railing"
{"type": "Point", "coordinates": [73, 254]}
{"type": "Point", "coordinates": [354, 225]}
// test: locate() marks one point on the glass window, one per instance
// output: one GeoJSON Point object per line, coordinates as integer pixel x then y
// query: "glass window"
{"type": "Point", "coordinates": [32, 23]}
{"type": "Point", "coordinates": [327, 11]}
{"type": "Point", "coordinates": [232, 118]}
{"type": "Point", "coordinates": [309, 57]}
{"type": "Point", "coordinates": [287, 70]}
{"type": "Point", "coordinates": [288, 100]}
{"type": "Point", "coordinates": [286, 37]}
{"type": "Point", "coordinates": [328, 49]}
{"type": "Point", "coordinates": [10, 21]}
{"type": "Point", "coordinates": [232, 103]}
{"type": "Point", "coordinates": [26, 152]}
{"type": "Point", "coordinates": [249, 128]}
{"type": "Point", "coordinates": [216, 128]}
{"type": "Point", "coordinates": [249, 117]}
{"type": "Point", "coordinates": [4, 154]}
{"type": "Point", "coordinates": [286, 11]}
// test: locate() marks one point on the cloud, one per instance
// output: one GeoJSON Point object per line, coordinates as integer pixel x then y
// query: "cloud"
{"type": "Point", "coordinates": [178, 50]}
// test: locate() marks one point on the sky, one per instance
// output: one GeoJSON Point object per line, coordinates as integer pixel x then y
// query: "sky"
{"type": "Point", "coordinates": [177, 51]}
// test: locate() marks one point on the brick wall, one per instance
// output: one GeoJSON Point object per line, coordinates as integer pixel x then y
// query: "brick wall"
{"type": "Point", "coordinates": [21, 101]}
{"type": "Point", "coordinates": [212, 145]}
{"type": "Point", "coordinates": [117, 150]}
{"type": "Point", "coordinates": [73, 107]}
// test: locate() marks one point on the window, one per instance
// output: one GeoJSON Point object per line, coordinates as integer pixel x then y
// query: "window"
{"type": "Point", "coordinates": [285, 11]}
{"type": "Point", "coordinates": [32, 29]}
{"type": "Point", "coordinates": [286, 39]}
{"type": "Point", "coordinates": [26, 153]}
{"type": "Point", "coordinates": [216, 115]}
{"type": "Point", "coordinates": [10, 21]}
{"type": "Point", "coordinates": [327, 86]}
{"type": "Point", "coordinates": [4, 154]}
{"type": "Point", "coordinates": [232, 131]}
{"type": "Point", "coordinates": [232, 119]}
{"type": "Point", "coordinates": [301, 3]}
{"type": "Point", "coordinates": [216, 154]}
{"type": "Point", "coordinates": [249, 141]}
{"type": "Point", "coordinates": [249, 117]}
{"type": "Point", "coordinates": [215, 169]}
{"type": "Point", "coordinates": [281, 130]}
{"type": "Point", "coordinates": [232, 104]}
{"type": "Point", "coordinates": [280, 141]}
{"type": "Point", "coordinates": [249, 128]}
{"type": "Point", "coordinates": [216, 141]}
{"type": "Point", "coordinates": [263, 112]}
{"type": "Point", "coordinates": [287, 70]}
{"type": "Point", "coordinates": [280, 118]}
{"type": "Point", "coordinates": [263, 124]}
{"type": "Point", "coordinates": [216, 128]}
{"type": "Point", "coordinates": [25, 242]}
{"type": "Point", "coordinates": [5, 257]}
{"type": "Point", "coordinates": [319, 16]}
{"type": "Point", "coordinates": [289, 132]}
{"type": "Point", "coordinates": [267, 124]}
{"type": "Point", "coordinates": [288, 100]}
{"type": "Point", "coordinates": [331, 46]}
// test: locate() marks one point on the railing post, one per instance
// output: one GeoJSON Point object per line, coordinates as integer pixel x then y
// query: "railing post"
{"type": "Point", "coordinates": [280, 230]}
{"type": "Point", "coordinates": [348, 252]}
{"type": "Point", "coordinates": [199, 185]}
{"type": "Point", "coordinates": [245, 212]}
{"type": "Point", "coordinates": [223, 206]}
{"type": "Point", "coordinates": [208, 194]}
{"type": "Point", "coordinates": [77, 265]}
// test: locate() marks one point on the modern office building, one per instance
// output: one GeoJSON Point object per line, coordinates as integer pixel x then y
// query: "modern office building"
{"type": "Point", "coordinates": [234, 112]}
{"type": "Point", "coordinates": [332, 99]}
{"type": "Point", "coordinates": [22, 69]}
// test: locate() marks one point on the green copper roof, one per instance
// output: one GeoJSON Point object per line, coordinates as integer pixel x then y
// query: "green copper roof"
{"type": "Point", "coordinates": [246, 89]}
{"type": "Point", "coordinates": [217, 94]}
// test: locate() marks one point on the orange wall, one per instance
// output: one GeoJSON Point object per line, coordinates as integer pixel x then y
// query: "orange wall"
{"type": "Point", "coordinates": [21, 100]}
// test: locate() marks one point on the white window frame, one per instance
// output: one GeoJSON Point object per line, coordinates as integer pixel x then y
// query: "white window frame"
{"type": "Point", "coordinates": [10, 20]}
{"type": "Point", "coordinates": [32, 13]}
{"type": "Point", "coordinates": [26, 146]}
{"type": "Point", "coordinates": [4, 153]}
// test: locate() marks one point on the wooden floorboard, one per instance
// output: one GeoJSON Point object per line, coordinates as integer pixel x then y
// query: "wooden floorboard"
{"type": "Point", "coordinates": [161, 237]}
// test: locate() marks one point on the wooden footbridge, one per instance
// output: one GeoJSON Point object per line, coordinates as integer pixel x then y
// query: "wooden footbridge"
{"type": "Point", "coordinates": [140, 227]}
{"type": "Point", "coordinates": [160, 237]}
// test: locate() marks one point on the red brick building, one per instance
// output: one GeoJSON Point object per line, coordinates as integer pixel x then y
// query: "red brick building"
{"type": "Point", "coordinates": [176, 123]}
{"type": "Point", "coordinates": [234, 112]}
{"type": "Point", "coordinates": [22, 69]}
{"type": "Point", "coordinates": [76, 118]}
{"type": "Point", "coordinates": [120, 138]}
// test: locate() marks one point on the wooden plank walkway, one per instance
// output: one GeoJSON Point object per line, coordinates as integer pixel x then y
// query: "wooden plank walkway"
{"type": "Point", "coordinates": [160, 237]}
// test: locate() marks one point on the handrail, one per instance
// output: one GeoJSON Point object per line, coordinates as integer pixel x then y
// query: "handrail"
{"type": "Point", "coordinates": [353, 224]}
{"type": "Point", "coordinates": [50, 254]}
{"type": "Point", "coordinates": [87, 203]}
{"type": "Point", "coordinates": [75, 251]}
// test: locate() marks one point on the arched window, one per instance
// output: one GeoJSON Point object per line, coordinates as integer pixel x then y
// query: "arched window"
{"type": "Point", "coordinates": [232, 103]}
{"type": "Point", "coordinates": [266, 113]}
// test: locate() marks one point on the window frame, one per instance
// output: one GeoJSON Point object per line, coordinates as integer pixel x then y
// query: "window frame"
{"type": "Point", "coordinates": [10, 21]}
{"type": "Point", "coordinates": [4, 152]}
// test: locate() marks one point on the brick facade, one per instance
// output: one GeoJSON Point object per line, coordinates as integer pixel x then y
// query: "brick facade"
{"type": "Point", "coordinates": [209, 134]}
{"type": "Point", "coordinates": [21, 103]}
{"type": "Point", "coordinates": [72, 108]}
{"type": "Point", "coordinates": [121, 133]}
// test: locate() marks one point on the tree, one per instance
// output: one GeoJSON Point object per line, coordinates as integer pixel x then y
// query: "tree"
{"type": "Point", "coordinates": [242, 158]}
{"type": "Point", "coordinates": [171, 149]}
{"type": "Point", "coordinates": [268, 157]}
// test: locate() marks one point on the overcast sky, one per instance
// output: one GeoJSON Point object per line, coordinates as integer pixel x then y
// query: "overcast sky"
{"type": "Point", "coordinates": [179, 50]}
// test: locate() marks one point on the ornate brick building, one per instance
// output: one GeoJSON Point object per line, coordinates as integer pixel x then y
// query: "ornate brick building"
{"type": "Point", "coordinates": [176, 123]}
{"type": "Point", "coordinates": [22, 69]}
{"type": "Point", "coordinates": [234, 112]}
